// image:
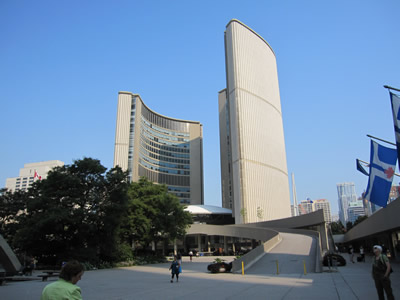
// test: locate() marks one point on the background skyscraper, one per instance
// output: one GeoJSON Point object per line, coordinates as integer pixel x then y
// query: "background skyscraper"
{"type": "Point", "coordinates": [164, 150]}
{"type": "Point", "coordinates": [346, 194]}
{"type": "Point", "coordinates": [253, 158]}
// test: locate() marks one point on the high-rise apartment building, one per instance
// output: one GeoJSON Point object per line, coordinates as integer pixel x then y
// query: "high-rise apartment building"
{"type": "Point", "coordinates": [346, 194]}
{"type": "Point", "coordinates": [254, 175]}
{"type": "Point", "coordinates": [30, 173]}
{"type": "Point", "coordinates": [306, 207]}
{"type": "Point", "coordinates": [325, 206]}
{"type": "Point", "coordinates": [164, 150]}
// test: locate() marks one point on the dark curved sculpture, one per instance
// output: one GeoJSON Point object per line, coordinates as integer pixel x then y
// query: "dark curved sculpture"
{"type": "Point", "coordinates": [333, 259]}
{"type": "Point", "coordinates": [220, 267]}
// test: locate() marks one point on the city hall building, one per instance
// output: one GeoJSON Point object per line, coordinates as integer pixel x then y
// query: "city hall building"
{"type": "Point", "coordinates": [164, 150]}
{"type": "Point", "coordinates": [254, 175]}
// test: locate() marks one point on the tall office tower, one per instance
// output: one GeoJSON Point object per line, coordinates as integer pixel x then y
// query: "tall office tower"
{"type": "Point", "coordinates": [326, 207]}
{"type": "Point", "coordinates": [30, 173]}
{"type": "Point", "coordinates": [165, 150]}
{"type": "Point", "coordinates": [346, 194]}
{"type": "Point", "coordinates": [254, 174]}
{"type": "Point", "coordinates": [355, 210]}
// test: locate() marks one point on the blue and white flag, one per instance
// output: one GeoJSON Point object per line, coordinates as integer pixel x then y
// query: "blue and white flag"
{"type": "Point", "coordinates": [395, 100]}
{"type": "Point", "coordinates": [381, 172]}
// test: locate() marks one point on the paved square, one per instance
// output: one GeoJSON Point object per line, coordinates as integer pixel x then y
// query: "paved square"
{"type": "Point", "coordinates": [153, 282]}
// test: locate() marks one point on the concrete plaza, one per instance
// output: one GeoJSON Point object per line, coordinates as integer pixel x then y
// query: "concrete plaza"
{"type": "Point", "coordinates": [153, 282]}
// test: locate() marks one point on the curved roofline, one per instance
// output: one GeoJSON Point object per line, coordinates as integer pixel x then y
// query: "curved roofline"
{"type": "Point", "coordinates": [247, 27]}
{"type": "Point", "coordinates": [162, 116]}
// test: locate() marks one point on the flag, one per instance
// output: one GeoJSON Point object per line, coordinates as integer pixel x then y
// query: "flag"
{"type": "Point", "coordinates": [395, 100]}
{"type": "Point", "coordinates": [37, 176]}
{"type": "Point", "coordinates": [381, 172]}
{"type": "Point", "coordinates": [361, 168]}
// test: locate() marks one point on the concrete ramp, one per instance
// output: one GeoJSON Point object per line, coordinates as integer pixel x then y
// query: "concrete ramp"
{"type": "Point", "coordinates": [8, 260]}
{"type": "Point", "coordinates": [290, 253]}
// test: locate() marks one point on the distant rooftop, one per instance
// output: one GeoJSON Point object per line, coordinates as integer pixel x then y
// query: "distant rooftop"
{"type": "Point", "coordinates": [207, 210]}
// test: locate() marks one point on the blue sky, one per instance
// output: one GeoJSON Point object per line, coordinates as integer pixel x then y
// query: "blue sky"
{"type": "Point", "coordinates": [62, 64]}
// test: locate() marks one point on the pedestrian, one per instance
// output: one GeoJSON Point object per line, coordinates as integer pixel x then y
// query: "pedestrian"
{"type": "Point", "coordinates": [351, 252]}
{"type": "Point", "coordinates": [380, 273]}
{"type": "Point", "coordinates": [174, 269]}
{"type": "Point", "coordinates": [179, 259]}
{"type": "Point", "coordinates": [362, 254]}
{"type": "Point", "coordinates": [65, 287]}
{"type": "Point", "coordinates": [191, 255]}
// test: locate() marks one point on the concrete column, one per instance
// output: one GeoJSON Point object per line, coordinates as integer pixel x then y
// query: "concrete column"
{"type": "Point", "coordinates": [199, 243]}
{"type": "Point", "coordinates": [208, 243]}
{"type": "Point", "coordinates": [225, 245]}
{"type": "Point", "coordinates": [324, 236]}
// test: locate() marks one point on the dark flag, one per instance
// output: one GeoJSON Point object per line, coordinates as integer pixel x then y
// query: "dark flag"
{"type": "Point", "coordinates": [395, 100]}
{"type": "Point", "coordinates": [361, 168]}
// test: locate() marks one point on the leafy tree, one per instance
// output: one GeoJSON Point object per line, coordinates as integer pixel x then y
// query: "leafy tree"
{"type": "Point", "coordinates": [11, 205]}
{"type": "Point", "coordinates": [337, 228]}
{"type": "Point", "coordinates": [154, 214]}
{"type": "Point", "coordinates": [75, 212]}
{"type": "Point", "coordinates": [349, 225]}
{"type": "Point", "coordinates": [359, 220]}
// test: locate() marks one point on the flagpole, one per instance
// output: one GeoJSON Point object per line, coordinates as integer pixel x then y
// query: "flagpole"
{"type": "Point", "coordinates": [367, 165]}
{"type": "Point", "coordinates": [391, 88]}
{"type": "Point", "coordinates": [376, 138]}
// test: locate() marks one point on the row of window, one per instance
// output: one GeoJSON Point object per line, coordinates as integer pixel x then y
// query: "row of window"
{"type": "Point", "coordinates": [162, 158]}
{"type": "Point", "coordinates": [24, 178]}
{"type": "Point", "coordinates": [164, 142]}
{"type": "Point", "coordinates": [162, 130]}
{"type": "Point", "coordinates": [168, 179]}
{"type": "Point", "coordinates": [161, 135]}
{"type": "Point", "coordinates": [179, 189]}
{"type": "Point", "coordinates": [164, 122]}
{"type": "Point", "coordinates": [144, 161]}
{"type": "Point", "coordinates": [163, 150]}
{"type": "Point", "coordinates": [176, 141]}
{"type": "Point", "coordinates": [145, 156]}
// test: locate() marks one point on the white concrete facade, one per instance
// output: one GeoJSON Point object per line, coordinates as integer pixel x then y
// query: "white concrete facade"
{"type": "Point", "coordinates": [258, 169]}
{"type": "Point", "coordinates": [164, 150]}
{"type": "Point", "coordinates": [27, 174]}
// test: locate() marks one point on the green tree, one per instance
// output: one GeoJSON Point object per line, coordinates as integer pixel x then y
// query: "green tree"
{"type": "Point", "coordinates": [76, 212]}
{"type": "Point", "coordinates": [154, 214]}
{"type": "Point", "coordinates": [349, 225]}
{"type": "Point", "coordinates": [337, 228]}
{"type": "Point", "coordinates": [11, 205]}
{"type": "Point", "coordinates": [359, 220]}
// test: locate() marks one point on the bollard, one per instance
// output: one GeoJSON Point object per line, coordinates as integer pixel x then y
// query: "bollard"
{"type": "Point", "coordinates": [305, 269]}
{"type": "Point", "coordinates": [277, 267]}
{"type": "Point", "coordinates": [242, 268]}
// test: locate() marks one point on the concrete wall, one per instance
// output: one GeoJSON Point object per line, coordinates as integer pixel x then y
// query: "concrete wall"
{"type": "Point", "coordinates": [256, 254]}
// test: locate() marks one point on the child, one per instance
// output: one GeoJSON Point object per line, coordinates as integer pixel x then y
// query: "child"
{"type": "Point", "coordinates": [174, 269]}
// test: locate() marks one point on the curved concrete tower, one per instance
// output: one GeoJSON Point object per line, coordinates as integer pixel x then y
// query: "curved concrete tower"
{"type": "Point", "coordinates": [255, 181]}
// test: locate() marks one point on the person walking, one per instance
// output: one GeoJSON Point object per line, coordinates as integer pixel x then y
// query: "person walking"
{"type": "Point", "coordinates": [381, 270]}
{"type": "Point", "coordinates": [65, 287]}
{"type": "Point", "coordinates": [191, 255]}
{"type": "Point", "coordinates": [174, 269]}
{"type": "Point", "coordinates": [351, 252]}
{"type": "Point", "coordinates": [362, 254]}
